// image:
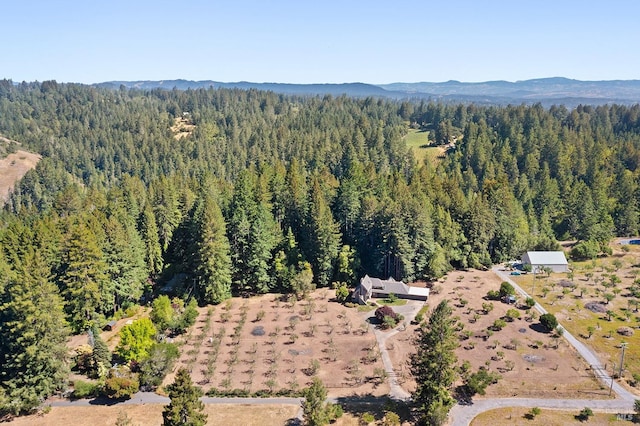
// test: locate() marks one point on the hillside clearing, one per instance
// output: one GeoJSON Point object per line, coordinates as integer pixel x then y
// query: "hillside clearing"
{"type": "Point", "coordinates": [13, 168]}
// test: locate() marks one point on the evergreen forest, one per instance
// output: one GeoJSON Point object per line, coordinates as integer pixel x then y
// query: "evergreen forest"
{"type": "Point", "coordinates": [276, 193]}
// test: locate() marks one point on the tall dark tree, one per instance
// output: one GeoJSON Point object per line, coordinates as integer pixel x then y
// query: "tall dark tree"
{"type": "Point", "coordinates": [84, 275]}
{"type": "Point", "coordinates": [211, 259]}
{"type": "Point", "coordinates": [434, 365]}
{"type": "Point", "coordinates": [33, 349]}
{"type": "Point", "coordinates": [324, 237]}
{"type": "Point", "coordinates": [251, 235]}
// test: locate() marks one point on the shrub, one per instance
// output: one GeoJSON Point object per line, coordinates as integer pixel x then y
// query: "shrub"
{"type": "Point", "coordinates": [548, 321]}
{"type": "Point", "coordinates": [530, 302]}
{"type": "Point", "coordinates": [585, 250]}
{"type": "Point", "coordinates": [584, 414]}
{"type": "Point", "coordinates": [498, 324]}
{"type": "Point", "coordinates": [493, 295]}
{"type": "Point", "coordinates": [160, 360]}
{"type": "Point", "coordinates": [506, 289]}
{"type": "Point", "coordinates": [121, 387]}
{"type": "Point", "coordinates": [512, 314]}
{"type": "Point", "coordinates": [384, 312]}
{"type": "Point", "coordinates": [535, 411]}
{"type": "Point", "coordinates": [477, 382]}
{"type": "Point", "coordinates": [342, 293]}
{"type": "Point", "coordinates": [82, 389]}
{"type": "Point", "coordinates": [367, 418]}
{"type": "Point", "coordinates": [391, 419]}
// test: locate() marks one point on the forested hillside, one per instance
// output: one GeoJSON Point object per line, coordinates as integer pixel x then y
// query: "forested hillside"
{"type": "Point", "coordinates": [272, 193]}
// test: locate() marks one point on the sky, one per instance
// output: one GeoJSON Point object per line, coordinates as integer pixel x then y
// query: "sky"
{"type": "Point", "coordinates": [326, 41]}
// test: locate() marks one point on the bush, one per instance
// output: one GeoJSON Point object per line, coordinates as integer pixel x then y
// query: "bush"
{"type": "Point", "coordinates": [585, 250]}
{"type": "Point", "coordinates": [157, 364]}
{"type": "Point", "coordinates": [530, 302]}
{"type": "Point", "coordinates": [82, 389]}
{"type": "Point", "coordinates": [506, 289]}
{"type": "Point", "coordinates": [367, 418]}
{"type": "Point", "coordinates": [498, 325]}
{"type": "Point", "coordinates": [493, 295]}
{"type": "Point", "coordinates": [121, 387]}
{"type": "Point", "coordinates": [549, 321]}
{"type": "Point", "coordinates": [387, 316]}
{"type": "Point", "coordinates": [584, 414]}
{"type": "Point", "coordinates": [342, 293]}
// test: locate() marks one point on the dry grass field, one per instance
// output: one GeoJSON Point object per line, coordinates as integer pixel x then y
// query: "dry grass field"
{"type": "Point", "coordinates": [531, 362]}
{"type": "Point", "coordinates": [517, 417]}
{"type": "Point", "coordinates": [13, 168]}
{"type": "Point", "coordinates": [151, 415]}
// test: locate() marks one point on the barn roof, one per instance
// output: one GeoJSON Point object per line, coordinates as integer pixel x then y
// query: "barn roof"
{"type": "Point", "coordinates": [547, 258]}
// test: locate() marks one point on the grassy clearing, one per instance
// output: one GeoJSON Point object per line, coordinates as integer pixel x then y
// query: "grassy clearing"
{"type": "Point", "coordinates": [516, 416]}
{"type": "Point", "coordinates": [418, 140]}
{"type": "Point", "coordinates": [392, 302]}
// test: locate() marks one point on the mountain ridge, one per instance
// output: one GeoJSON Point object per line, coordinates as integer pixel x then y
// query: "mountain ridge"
{"type": "Point", "coordinates": [547, 91]}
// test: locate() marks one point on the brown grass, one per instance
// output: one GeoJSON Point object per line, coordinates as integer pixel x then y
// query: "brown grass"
{"type": "Point", "coordinates": [516, 416]}
{"type": "Point", "coordinates": [13, 168]}
{"type": "Point", "coordinates": [151, 415]}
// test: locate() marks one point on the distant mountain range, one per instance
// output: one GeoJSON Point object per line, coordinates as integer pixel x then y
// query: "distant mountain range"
{"type": "Point", "coordinates": [547, 91]}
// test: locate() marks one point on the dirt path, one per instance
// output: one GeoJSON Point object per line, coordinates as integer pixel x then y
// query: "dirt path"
{"type": "Point", "coordinates": [409, 311]}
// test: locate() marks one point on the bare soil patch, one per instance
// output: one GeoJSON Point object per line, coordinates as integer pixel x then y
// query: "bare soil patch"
{"type": "Point", "coordinates": [223, 350]}
{"type": "Point", "coordinates": [151, 415]}
{"type": "Point", "coordinates": [182, 127]}
{"type": "Point", "coordinates": [13, 168]}
{"type": "Point", "coordinates": [531, 363]}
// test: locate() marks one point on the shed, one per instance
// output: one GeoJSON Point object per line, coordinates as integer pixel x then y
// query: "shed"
{"type": "Point", "coordinates": [109, 326]}
{"type": "Point", "coordinates": [555, 260]}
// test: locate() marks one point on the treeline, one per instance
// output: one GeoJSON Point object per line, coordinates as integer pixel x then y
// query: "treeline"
{"type": "Point", "coordinates": [272, 193]}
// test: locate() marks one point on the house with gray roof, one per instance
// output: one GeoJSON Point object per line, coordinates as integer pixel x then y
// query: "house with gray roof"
{"type": "Point", "coordinates": [538, 260]}
{"type": "Point", "coordinates": [375, 287]}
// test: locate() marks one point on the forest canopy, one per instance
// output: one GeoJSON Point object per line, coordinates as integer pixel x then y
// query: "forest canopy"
{"type": "Point", "coordinates": [273, 193]}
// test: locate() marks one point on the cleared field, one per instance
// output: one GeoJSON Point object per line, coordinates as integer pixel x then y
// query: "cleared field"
{"type": "Point", "coordinates": [531, 362]}
{"type": "Point", "coordinates": [418, 140]}
{"type": "Point", "coordinates": [13, 168]}
{"type": "Point", "coordinates": [151, 415]}
{"type": "Point", "coordinates": [573, 297]}
{"type": "Point", "coordinates": [517, 416]}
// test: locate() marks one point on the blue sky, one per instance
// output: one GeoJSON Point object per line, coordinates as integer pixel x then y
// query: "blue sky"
{"type": "Point", "coordinates": [319, 41]}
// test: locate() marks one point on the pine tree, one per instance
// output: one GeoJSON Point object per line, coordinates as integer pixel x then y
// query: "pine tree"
{"type": "Point", "coordinates": [33, 349]}
{"type": "Point", "coordinates": [148, 229]}
{"type": "Point", "coordinates": [314, 406]}
{"type": "Point", "coordinates": [324, 237]}
{"type": "Point", "coordinates": [185, 408]}
{"type": "Point", "coordinates": [251, 237]}
{"type": "Point", "coordinates": [433, 365]}
{"type": "Point", "coordinates": [83, 276]}
{"type": "Point", "coordinates": [212, 262]}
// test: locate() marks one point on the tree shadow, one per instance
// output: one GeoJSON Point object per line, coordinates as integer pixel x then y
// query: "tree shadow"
{"type": "Point", "coordinates": [539, 328]}
{"type": "Point", "coordinates": [359, 404]}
